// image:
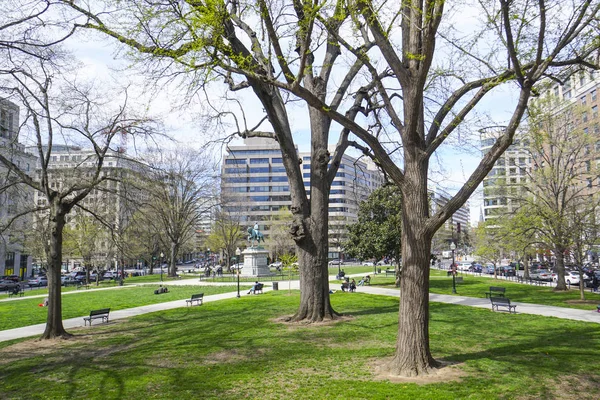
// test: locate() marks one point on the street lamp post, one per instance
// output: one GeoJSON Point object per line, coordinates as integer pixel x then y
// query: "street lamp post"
{"type": "Point", "coordinates": [339, 260]}
{"type": "Point", "coordinates": [162, 255]}
{"type": "Point", "coordinates": [453, 268]}
{"type": "Point", "coordinates": [238, 252]}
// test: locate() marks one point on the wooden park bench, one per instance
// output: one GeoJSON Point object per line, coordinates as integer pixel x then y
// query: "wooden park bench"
{"type": "Point", "coordinates": [197, 298]}
{"type": "Point", "coordinates": [258, 288]}
{"type": "Point", "coordinates": [503, 302]}
{"type": "Point", "coordinates": [390, 272]}
{"type": "Point", "coordinates": [97, 314]}
{"type": "Point", "coordinates": [17, 291]}
{"type": "Point", "coordinates": [495, 291]}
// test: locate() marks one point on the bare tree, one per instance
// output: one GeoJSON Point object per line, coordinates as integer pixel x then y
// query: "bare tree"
{"type": "Point", "coordinates": [225, 234]}
{"type": "Point", "coordinates": [180, 191]}
{"type": "Point", "coordinates": [560, 185]}
{"type": "Point", "coordinates": [53, 120]}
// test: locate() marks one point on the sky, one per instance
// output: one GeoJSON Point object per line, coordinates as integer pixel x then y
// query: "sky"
{"type": "Point", "coordinates": [450, 167]}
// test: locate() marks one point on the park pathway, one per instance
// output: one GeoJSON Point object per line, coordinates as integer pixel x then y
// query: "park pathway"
{"type": "Point", "coordinates": [522, 308]}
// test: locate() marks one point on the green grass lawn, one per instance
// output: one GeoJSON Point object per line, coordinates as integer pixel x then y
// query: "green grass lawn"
{"type": "Point", "coordinates": [235, 349]}
{"type": "Point", "coordinates": [18, 313]}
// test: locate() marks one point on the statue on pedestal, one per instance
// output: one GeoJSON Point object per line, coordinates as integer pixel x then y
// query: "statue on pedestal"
{"type": "Point", "coordinates": [255, 234]}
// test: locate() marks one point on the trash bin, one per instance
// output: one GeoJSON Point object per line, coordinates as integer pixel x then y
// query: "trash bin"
{"type": "Point", "coordinates": [378, 270]}
{"type": "Point", "coordinates": [275, 285]}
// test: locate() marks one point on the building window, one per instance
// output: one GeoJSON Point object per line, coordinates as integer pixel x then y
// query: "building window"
{"type": "Point", "coordinates": [277, 160]}
{"type": "Point", "coordinates": [589, 182]}
{"type": "Point", "coordinates": [235, 161]}
{"type": "Point", "coordinates": [236, 180]}
{"type": "Point", "coordinates": [278, 179]}
{"type": "Point", "coordinates": [277, 169]}
{"type": "Point", "coordinates": [259, 188]}
{"type": "Point", "coordinates": [567, 94]}
{"type": "Point", "coordinates": [593, 94]}
{"type": "Point", "coordinates": [259, 170]}
{"type": "Point", "coordinates": [583, 100]}
{"type": "Point", "coordinates": [595, 112]}
{"type": "Point", "coordinates": [235, 170]}
{"type": "Point", "coordinates": [588, 166]}
{"type": "Point", "coordinates": [257, 179]}
{"type": "Point", "coordinates": [259, 161]}
{"type": "Point", "coordinates": [586, 149]}
{"type": "Point", "coordinates": [259, 198]}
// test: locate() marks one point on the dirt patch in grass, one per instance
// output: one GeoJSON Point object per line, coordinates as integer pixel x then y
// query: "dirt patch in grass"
{"type": "Point", "coordinates": [579, 388]}
{"type": "Point", "coordinates": [447, 372]}
{"type": "Point", "coordinates": [286, 320]}
{"type": "Point", "coordinates": [38, 347]}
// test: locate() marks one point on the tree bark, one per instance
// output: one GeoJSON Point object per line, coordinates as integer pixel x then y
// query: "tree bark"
{"type": "Point", "coordinates": [172, 265]}
{"type": "Point", "coordinates": [54, 325]}
{"type": "Point", "coordinates": [413, 355]}
{"type": "Point", "coordinates": [313, 249]}
{"type": "Point", "coordinates": [559, 253]}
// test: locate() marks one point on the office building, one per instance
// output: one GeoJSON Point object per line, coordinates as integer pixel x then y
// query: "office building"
{"type": "Point", "coordinates": [14, 200]}
{"type": "Point", "coordinates": [255, 187]}
{"type": "Point", "coordinates": [502, 186]}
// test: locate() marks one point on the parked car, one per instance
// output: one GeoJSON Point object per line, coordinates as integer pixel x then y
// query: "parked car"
{"type": "Point", "coordinates": [541, 274]}
{"type": "Point", "coordinates": [69, 281]}
{"type": "Point", "coordinates": [368, 264]}
{"type": "Point", "coordinates": [571, 277]}
{"type": "Point", "coordinates": [506, 270]}
{"type": "Point", "coordinates": [38, 281]}
{"type": "Point", "coordinates": [109, 275]}
{"type": "Point", "coordinates": [335, 262]}
{"type": "Point", "coordinates": [464, 266]}
{"type": "Point", "coordinates": [476, 268]}
{"type": "Point", "coordinates": [8, 284]}
{"type": "Point", "coordinates": [10, 278]}
{"type": "Point", "coordinates": [276, 265]}
{"type": "Point", "coordinates": [489, 269]}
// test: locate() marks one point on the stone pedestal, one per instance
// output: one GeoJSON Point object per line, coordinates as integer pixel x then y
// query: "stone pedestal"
{"type": "Point", "coordinates": [255, 262]}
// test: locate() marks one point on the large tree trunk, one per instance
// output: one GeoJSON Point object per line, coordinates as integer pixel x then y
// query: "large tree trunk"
{"type": "Point", "coordinates": [413, 355]}
{"type": "Point", "coordinates": [559, 253]}
{"type": "Point", "coordinates": [172, 265]}
{"type": "Point", "coordinates": [54, 325]}
{"type": "Point", "coordinates": [313, 248]}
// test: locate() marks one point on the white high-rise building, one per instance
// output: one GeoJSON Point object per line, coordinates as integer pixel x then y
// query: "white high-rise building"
{"type": "Point", "coordinates": [503, 185]}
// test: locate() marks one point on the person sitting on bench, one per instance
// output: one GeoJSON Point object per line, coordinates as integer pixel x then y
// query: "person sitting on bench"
{"type": "Point", "coordinates": [253, 288]}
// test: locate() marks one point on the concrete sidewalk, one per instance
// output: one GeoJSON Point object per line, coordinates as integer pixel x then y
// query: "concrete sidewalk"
{"type": "Point", "coordinates": [522, 308]}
